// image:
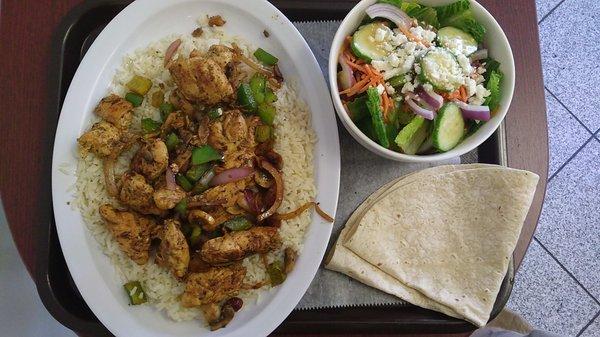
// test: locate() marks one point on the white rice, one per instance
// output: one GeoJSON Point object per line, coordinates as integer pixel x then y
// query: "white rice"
{"type": "Point", "coordinates": [294, 141]}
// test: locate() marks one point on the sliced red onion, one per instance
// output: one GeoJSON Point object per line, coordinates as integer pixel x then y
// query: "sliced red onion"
{"type": "Point", "coordinates": [390, 12]}
{"type": "Point", "coordinates": [425, 113]}
{"type": "Point", "coordinates": [231, 175]}
{"type": "Point", "coordinates": [170, 178]}
{"type": "Point", "coordinates": [346, 76]}
{"type": "Point", "coordinates": [171, 51]}
{"type": "Point", "coordinates": [475, 112]}
{"type": "Point", "coordinates": [432, 99]}
{"type": "Point", "coordinates": [479, 55]}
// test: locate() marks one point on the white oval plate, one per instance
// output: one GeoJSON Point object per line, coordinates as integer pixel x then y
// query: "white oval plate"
{"type": "Point", "coordinates": [142, 22]}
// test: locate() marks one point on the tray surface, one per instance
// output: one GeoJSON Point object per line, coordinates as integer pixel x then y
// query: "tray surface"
{"type": "Point", "coordinates": [58, 291]}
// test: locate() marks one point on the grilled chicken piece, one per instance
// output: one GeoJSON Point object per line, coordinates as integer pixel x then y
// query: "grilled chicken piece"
{"type": "Point", "coordinates": [173, 252]}
{"type": "Point", "coordinates": [213, 286]}
{"type": "Point", "coordinates": [225, 195]}
{"type": "Point", "coordinates": [211, 312]}
{"type": "Point", "coordinates": [103, 139]}
{"type": "Point", "coordinates": [222, 55]}
{"type": "Point", "coordinates": [201, 80]}
{"type": "Point", "coordinates": [181, 103]}
{"type": "Point", "coordinates": [132, 231]}
{"type": "Point", "coordinates": [231, 129]}
{"type": "Point", "coordinates": [116, 111]}
{"type": "Point", "coordinates": [238, 245]}
{"type": "Point", "coordinates": [151, 159]}
{"type": "Point", "coordinates": [165, 198]}
{"type": "Point", "coordinates": [135, 191]}
{"type": "Point", "coordinates": [234, 137]}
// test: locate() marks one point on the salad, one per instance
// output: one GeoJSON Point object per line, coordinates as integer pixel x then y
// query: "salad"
{"type": "Point", "coordinates": [418, 79]}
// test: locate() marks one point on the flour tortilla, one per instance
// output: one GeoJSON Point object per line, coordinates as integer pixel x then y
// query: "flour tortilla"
{"type": "Point", "coordinates": [448, 236]}
{"type": "Point", "coordinates": [343, 260]}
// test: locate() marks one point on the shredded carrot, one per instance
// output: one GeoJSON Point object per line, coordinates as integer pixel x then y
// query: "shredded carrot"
{"type": "Point", "coordinates": [460, 94]}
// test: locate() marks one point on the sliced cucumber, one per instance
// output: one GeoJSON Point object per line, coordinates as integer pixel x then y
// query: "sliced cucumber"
{"type": "Point", "coordinates": [411, 137]}
{"type": "Point", "coordinates": [457, 40]}
{"type": "Point", "coordinates": [440, 68]}
{"type": "Point", "coordinates": [448, 127]}
{"type": "Point", "coordinates": [364, 44]}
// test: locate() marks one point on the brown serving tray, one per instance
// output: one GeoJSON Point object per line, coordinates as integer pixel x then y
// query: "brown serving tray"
{"type": "Point", "coordinates": [60, 295]}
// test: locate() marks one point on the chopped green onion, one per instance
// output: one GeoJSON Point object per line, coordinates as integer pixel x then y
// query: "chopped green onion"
{"type": "Point", "coordinates": [181, 207]}
{"type": "Point", "coordinates": [165, 109]}
{"type": "Point", "coordinates": [262, 133]}
{"type": "Point", "coordinates": [276, 273]}
{"type": "Point", "coordinates": [246, 98]}
{"type": "Point", "coordinates": [215, 113]}
{"type": "Point", "coordinates": [270, 96]}
{"type": "Point", "coordinates": [134, 99]}
{"type": "Point", "coordinates": [267, 112]}
{"type": "Point", "coordinates": [195, 172]}
{"type": "Point", "coordinates": [184, 182]}
{"type": "Point", "coordinates": [135, 292]}
{"type": "Point", "coordinates": [205, 154]}
{"type": "Point", "coordinates": [172, 141]}
{"type": "Point", "coordinates": [266, 58]}
{"type": "Point", "coordinates": [195, 235]}
{"type": "Point", "coordinates": [149, 125]}
{"type": "Point", "coordinates": [139, 85]}
{"type": "Point", "coordinates": [397, 81]}
{"type": "Point", "coordinates": [239, 223]}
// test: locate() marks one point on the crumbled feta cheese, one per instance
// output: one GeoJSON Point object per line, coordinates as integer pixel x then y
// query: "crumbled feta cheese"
{"type": "Point", "coordinates": [417, 68]}
{"type": "Point", "coordinates": [423, 34]}
{"type": "Point", "coordinates": [408, 63]}
{"type": "Point", "coordinates": [393, 60]}
{"type": "Point", "coordinates": [380, 89]}
{"type": "Point", "coordinates": [409, 47]}
{"type": "Point", "coordinates": [457, 47]}
{"type": "Point", "coordinates": [389, 89]}
{"type": "Point", "coordinates": [479, 79]}
{"type": "Point", "coordinates": [465, 64]}
{"type": "Point", "coordinates": [471, 86]}
{"type": "Point", "coordinates": [480, 94]}
{"type": "Point", "coordinates": [397, 38]}
{"type": "Point", "coordinates": [443, 70]}
{"type": "Point", "coordinates": [387, 46]}
{"type": "Point", "coordinates": [380, 34]}
{"type": "Point", "coordinates": [407, 87]}
{"type": "Point", "coordinates": [428, 87]}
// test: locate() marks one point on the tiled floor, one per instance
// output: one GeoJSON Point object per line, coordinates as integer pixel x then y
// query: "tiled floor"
{"type": "Point", "coordinates": [558, 286]}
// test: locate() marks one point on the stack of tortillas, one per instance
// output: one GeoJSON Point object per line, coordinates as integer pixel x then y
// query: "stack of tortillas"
{"type": "Point", "coordinates": [441, 238]}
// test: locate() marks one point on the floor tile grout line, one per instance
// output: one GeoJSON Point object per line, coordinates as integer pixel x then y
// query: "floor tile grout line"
{"type": "Point", "coordinates": [588, 324]}
{"type": "Point", "coordinates": [568, 110]}
{"type": "Point", "coordinates": [550, 12]}
{"type": "Point", "coordinates": [570, 158]}
{"type": "Point", "coordinates": [566, 270]}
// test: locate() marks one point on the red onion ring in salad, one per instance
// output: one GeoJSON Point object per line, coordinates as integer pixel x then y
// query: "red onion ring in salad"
{"type": "Point", "coordinates": [475, 112]}
{"type": "Point", "coordinates": [390, 12]}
